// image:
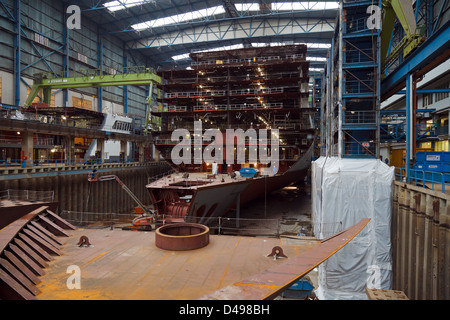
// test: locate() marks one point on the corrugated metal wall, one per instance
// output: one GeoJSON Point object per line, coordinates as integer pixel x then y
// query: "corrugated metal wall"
{"type": "Point", "coordinates": [74, 192]}
{"type": "Point", "coordinates": [421, 242]}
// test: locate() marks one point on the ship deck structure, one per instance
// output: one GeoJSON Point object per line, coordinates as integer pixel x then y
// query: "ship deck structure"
{"type": "Point", "coordinates": [251, 90]}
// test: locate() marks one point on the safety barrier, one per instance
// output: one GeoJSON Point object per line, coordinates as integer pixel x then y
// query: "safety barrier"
{"type": "Point", "coordinates": [218, 225]}
{"type": "Point", "coordinates": [426, 179]}
{"type": "Point", "coordinates": [27, 195]}
{"type": "Point", "coordinates": [96, 220]}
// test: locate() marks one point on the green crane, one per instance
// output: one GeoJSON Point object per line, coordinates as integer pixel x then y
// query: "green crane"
{"type": "Point", "coordinates": [403, 10]}
{"type": "Point", "coordinates": [91, 78]}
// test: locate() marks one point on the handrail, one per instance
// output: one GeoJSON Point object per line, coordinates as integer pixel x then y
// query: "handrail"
{"type": "Point", "coordinates": [422, 177]}
{"type": "Point", "coordinates": [63, 163]}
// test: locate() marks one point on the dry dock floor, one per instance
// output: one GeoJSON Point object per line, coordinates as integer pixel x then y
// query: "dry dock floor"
{"type": "Point", "coordinates": [121, 265]}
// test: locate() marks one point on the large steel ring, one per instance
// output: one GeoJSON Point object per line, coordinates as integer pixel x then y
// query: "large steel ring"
{"type": "Point", "coordinates": [182, 236]}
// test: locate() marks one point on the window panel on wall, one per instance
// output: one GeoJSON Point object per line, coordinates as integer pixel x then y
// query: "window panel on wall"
{"type": "Point", "coordinates": [81, 103]}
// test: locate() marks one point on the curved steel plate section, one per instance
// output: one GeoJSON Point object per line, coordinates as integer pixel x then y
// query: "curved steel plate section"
{"type": "Point", "coordinates": [270, 283]}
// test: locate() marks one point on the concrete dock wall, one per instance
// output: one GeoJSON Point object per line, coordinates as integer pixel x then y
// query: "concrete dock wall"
{"type": "Point", "coordinates": [74, 192]}
{"type": "Point", "coordinates": [421, 242]}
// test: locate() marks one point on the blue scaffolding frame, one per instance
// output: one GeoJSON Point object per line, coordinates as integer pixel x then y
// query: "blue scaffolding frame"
{"type": "Point", "coordinates": [359, 75]}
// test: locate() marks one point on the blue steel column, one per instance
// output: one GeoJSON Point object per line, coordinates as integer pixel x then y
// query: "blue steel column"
{"type": "Point", "coordinates": [341, 147]}
{"type": "Point", "coordinates": [66, 63]}
{"type": "Point", "coordinates": [323, 114]}
{"type": "Point", "coordinates": [17, 51]}
{"type": "Point", "coordinates": [359, 80]}
{"type": "Point", "coordinates": [409, 106]}
{"type": "Point", "coordinates": [330, 102]}
{"type": "Point", "coordinates": [125, 88]}
{"type": "Point", "coordinates": [430, 18]}
{"type": "Point", "coordinates": [100, 70]}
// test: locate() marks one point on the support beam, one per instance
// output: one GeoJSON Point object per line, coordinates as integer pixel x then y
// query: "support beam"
{"type": "Point", "coordinates": [426, 91]}
{"type": "Point", "coordinates": [100, 73]}
{"type": "Point", "coordinates": [27, 146]}
{"type": "Point", "coordinates": [340, 85]}
{"type": "Point", "coordinates": [148, 114]}
{"type": "Point", "coordinates": [66, 56]}
{"type": "Point", "coordinates": [125, 88]}
{"type": "Point", "coordinates": [124, 150]}
{"type": "Point", "coordinates": [409, 124]}
{"type": "Point", "coordinates": [69, 148]}
{"type": "Point", "coordinates": [17, 51]}
{"type": "Point", "coordinates": [141, 148]}
{"type": "Point", "coordinates": [231, 31]}
{"type": "Point", "coordinates": [430, 54]}
{"type": "Point", "coordinates": [101, 149]}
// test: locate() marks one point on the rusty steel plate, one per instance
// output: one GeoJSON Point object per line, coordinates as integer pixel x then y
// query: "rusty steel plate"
{"type": "Point", "coordinates": [270, 283]}
{"type": "Point", "coordinates": [182, 236]}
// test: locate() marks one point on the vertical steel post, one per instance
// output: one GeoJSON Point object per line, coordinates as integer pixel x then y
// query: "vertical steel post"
{"type": "Point", "coordinates": [100, 67]}
{"type": "Point", "coordinates": [17, 51]}
{"type": "Point", "coordinates": [238, 208]}
{"type": "Point", "coordinates": [329, 140]}
{"type": "Point", "coordinates": [322, 114]}
{"type": "Point", "coordinates": [409, 140]}
{"type": "Point", "coordinates": [429, 18]}
{"type": "Point", "coordinates": [377, 81]}
{"type": "Point", "coordinates": [148, 114]}
{"type": "Point", "coordinates": [66, 63]}
{"type": "Point", "coordinates": [340, 138]}
{"type": "Point", "coordinates": [125, 88]}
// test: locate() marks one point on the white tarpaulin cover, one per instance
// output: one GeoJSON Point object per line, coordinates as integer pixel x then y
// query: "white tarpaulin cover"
{"type": "Point", "coordinates": [343, 192]}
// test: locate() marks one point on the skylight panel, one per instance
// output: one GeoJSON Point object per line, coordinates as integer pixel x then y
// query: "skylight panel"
{"type": "Point", "coordinates": [309, 45]}
{"type": "Point", "coordinates": [230, 47]}
{"type": "Point", "coordinates": [188, 16]}
{"type": "Point", "coordinates": [247, 7]}
{"type": "Point", "coordinates": [181, 56]}
{"type": "Point", "coordinates": [289, 6]}
{"type": "Point", "coordinates": [316, 69]}
{"type": "Point", "coordinates": [124, 4]}
{"type": "Point", "coordinates": [304, 5]}
{"type": "Point", "coordinates": [318, 45]}
{"type": "Point", "coordinates": [316, 59]}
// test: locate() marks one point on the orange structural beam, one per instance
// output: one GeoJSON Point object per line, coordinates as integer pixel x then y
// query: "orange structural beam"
{"type": "Point", "coordinates": [270, 283]}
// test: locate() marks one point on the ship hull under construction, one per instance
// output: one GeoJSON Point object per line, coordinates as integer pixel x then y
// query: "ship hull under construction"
{"type": "Point", "coordinates": [244, 102]}
{"type": "Point", "coordinates": [198, 197]}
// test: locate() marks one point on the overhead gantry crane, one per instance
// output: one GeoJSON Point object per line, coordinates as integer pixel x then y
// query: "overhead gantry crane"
{"type": "Point", "coordinates": [91, 78]}
{"type": "Point", "coordinates": [404, 12]}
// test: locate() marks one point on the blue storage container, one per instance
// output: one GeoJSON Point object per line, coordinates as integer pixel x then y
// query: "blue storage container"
{"type": "Point", "coordinates": [446, 167]}
{"type": "Point", "coordinates": [433, 163]}
{"type": "Point", "coordinates": [419, 166]}
{"type": "Point", "coordinates": [433, 156]}
{"type": "Point", "coordinates": [299, 290]}
{"type": "Point", "coordinates": [435, 167]}
{"type": "Point", "coordinates": [249, 172]}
